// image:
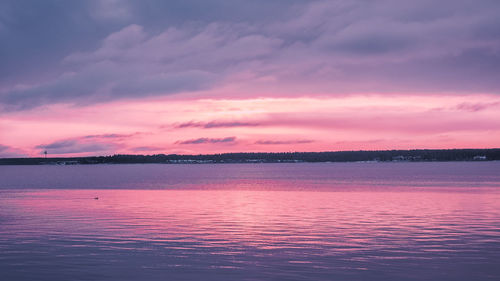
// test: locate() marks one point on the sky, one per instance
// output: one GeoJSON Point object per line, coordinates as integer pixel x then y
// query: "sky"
{"type": "Point", "coordinates": [107, 77]}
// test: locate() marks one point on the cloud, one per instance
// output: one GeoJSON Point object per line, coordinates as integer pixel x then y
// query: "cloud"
{"type": "Point", "coordinates": [8, 152]}
{"type": "Point", "coordinates": [74, 147]}
{"type": "Point", "coordinates": [133, 64]}
{"type": "Point", "coordinates": [110, 143]}
{"type": "Point", "coordinates": [147, 148]}
{"type": "Point", "coordinates": [99, 51]}
{"type": "Point", "coordinates": [103, 81]}
{"type": "Point", "coordinates": [96, 144]}
{"type": "Point", "coordinates": [110, 10]}
{"type": "Point", "coordinates": [216, 124]}
{"type": "Point", "coordinates": [58, 144]}
{"type": "Point", "coordinates": [110, 136]}
{"type": "Point", "coordinates": [88, 141]}
{"type": "Point", "coordinates": [208, 140]}
{"type": "Point", "coordinates": [474, 107]}
{"type": "Point", "coordinates": [369, 141]}
{"type": "Point", "coordinates": [279, 142]}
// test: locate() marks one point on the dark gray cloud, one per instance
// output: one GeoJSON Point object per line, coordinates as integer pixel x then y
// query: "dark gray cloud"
{"type": "Point", "coordinates": [217, 124]}
{"type": "Point", "coordinates": [208, 140]}
{"type": "Point", "coordinates": [35, 35]}
{"type": "Point", "coordinates": [82, 52]}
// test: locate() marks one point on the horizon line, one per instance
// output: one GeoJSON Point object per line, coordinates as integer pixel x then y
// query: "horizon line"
{"type": "Point", "coordinates": [261, 152]}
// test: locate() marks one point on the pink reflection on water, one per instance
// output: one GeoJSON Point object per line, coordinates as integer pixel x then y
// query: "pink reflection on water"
{"type": "Point", "coordinates": [398, 232]}
{"type": "Point", "coordinates": [265, 219]}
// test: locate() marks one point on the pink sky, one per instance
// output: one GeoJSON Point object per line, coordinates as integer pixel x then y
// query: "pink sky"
{"type": "Point", "coordinates": [196, 125]}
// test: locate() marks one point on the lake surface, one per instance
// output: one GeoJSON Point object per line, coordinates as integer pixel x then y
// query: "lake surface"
{"type": "Point", "coordinates": [324, 221]}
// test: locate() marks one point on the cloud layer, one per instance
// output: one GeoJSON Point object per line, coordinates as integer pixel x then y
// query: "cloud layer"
{"type": "Point", "coordinates": [208, 140]}
{"type": "Point", "coordinates": [327, 47]}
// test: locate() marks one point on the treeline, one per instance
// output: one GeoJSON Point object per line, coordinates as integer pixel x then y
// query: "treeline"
{"type": "Point", "coordinates": [334, 156]}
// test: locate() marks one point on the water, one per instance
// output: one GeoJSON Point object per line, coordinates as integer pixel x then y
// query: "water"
{"type": "Point", "coordinates": [328, 221]}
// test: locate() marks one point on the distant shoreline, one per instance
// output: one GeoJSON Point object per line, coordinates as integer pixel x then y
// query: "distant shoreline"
{"type": "Point", "coordinates": [417, 155]}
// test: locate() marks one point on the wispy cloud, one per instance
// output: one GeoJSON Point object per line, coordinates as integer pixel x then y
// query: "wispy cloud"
{"type": "Point", "coordinates": [9, 151]}
{"type": "Point", "coordinates": [76, 146]}
{"type": "Point", "coordinates": [147, 148]}
{"type": "Point", "coordinates": [278, 142]}
{"type": "Point", "coordinates": [208, 140]}
{"type": "Point", "coordinates": [112, 136]}
{"type": "Point", "coordinates": [216, 124]}
{"type": "Point", "coordinates": [103, 143]}
{"type": "Point", "coordinates": [474, 107]}
{"type": "Point", "coordinates": [58, 144]}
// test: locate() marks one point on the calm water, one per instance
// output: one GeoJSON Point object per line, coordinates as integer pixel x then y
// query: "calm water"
{"type": "Point", "coordinates": [329, 221]}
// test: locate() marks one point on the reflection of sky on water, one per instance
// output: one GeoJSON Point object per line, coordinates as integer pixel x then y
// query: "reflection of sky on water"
{"type": "Point", "coordinates": [224, 234]}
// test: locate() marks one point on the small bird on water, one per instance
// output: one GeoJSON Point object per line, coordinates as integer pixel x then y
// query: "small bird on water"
{"type": "Point", "coordinates": [96, 198]}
